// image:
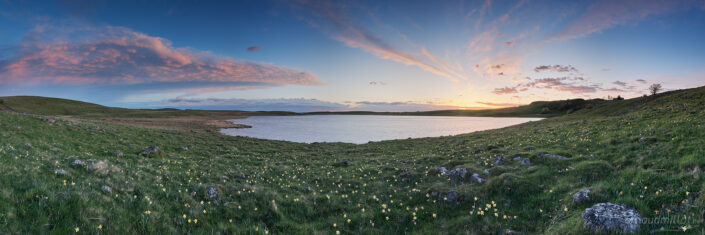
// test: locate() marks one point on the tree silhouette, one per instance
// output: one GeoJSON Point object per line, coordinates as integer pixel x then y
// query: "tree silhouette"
{"type": "Point", "coordinates": [655, 88]}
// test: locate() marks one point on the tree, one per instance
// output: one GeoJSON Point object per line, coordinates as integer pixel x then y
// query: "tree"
{"type": "Point", "coordinates": [655, 88]}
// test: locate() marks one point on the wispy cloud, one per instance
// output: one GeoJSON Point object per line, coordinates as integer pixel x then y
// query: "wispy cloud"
{"type": "Point", "coordinates": [575, 85]}
{"type": "Point", "coordinates": [556, 68]}
{"type": "Point", "coordinates": [356, 36]}
{"type": "Point", "coordinates": [499, 105]}
{"type": "Point", "coordinates": [254, 48]}
{"type": "Point", "coordinates": [607, 14]}
{"type": "Point", "coordinates": [117, 55]}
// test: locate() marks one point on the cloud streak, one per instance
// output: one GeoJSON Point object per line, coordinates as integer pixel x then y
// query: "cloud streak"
{"type": "Point", "coordinates": [298, 105]}
{"type": "Point", "coordinates": [607, 14]}
{"type": "Point", "coordinates": [556, 68]}
{"type": "Point", "coordinates": [355, 36]}
{"type": "Point", "coordinates": [117, 55]}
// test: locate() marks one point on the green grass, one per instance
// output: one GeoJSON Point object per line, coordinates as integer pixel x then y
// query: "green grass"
{"type": "Point", "coordinates": [266, 184]}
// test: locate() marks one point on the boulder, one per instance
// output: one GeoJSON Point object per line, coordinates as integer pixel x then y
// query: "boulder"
{"type": "Point", "coordinates": [581, 196]}
{"type": "Point", "coordinates": [525, 162]}
{"type": "Point", "coordinates": [107, 189]}
{"type": "Point", "coordinates": [548, 155]}
{"type": "Point", "coordinates": [450, 196]}
{"type": "Point", "coordinates": [517, 158]}
{"type": "Point", "coordinates": [212, 193]}
{"type": "Point", "coordinates": [440, 170]}
{"type": "Point", "coordinates": [642, 139]}
{"type": "Point", "coordinates": [499, 160]}
{"type": "Point", "coordinates": [184, 148]}
{"type": "Point", "coordinates": [476, 177]}
{"type": "Point", "coordinates": [457, 173]}
{"type": "Point", "coordinates": [150, 150]}
{"type": "Point", "coordinates": [78, 163]}
{"type": "Point", "coordinates": [54, 149]}
{"type": "Point", "coordinates": [119, 154]}
{"type": "Point", "coordinates": [611, 217]}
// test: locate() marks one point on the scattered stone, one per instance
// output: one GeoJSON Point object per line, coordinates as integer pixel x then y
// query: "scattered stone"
{"type": "Point", "coordinates": [106, 189]}
{"type": "Point", "coordinates": [150, 150]}
{"type": "Point", "coordinates": [458, 173]}
{"type": "Point", "coordinates": [486, 171]}
{"type": "Point", "coordinates": [441, 170]}
{"type": "Point", "coordinates": [450, 196]}
{"type": "Point", "coordinates": [581, 196]}
{"type": "Point", "coordinates": [78, 163]}
{"type": "Point", "coordinates": [517, 158]}
{"type": "Point", "coordinates": [345, 163]}
{"type": "Point", "coordinates": [49, 120]}
{"type": "Point", "coordinates": [119, 154]}
{"type": "Point", "coordinates": [499, 160]}
{"type": "Point", "coordinates": [551, 156]}
{"type": "Point", "coordinates": [642, 139]}
{"type": "Point", "coordinates": [28, 144]}
{"type": "Point", "coordinates": [308, 188]}
{"type": "Point", "coordinates": [60, 172]}
{"type": "Point", "coordinates": [100, 167]}
{"type": "Point", "coordinates": [611, 217]}
{"type": "Point", "coordinates": [525, 162]}
{"type": "Point", "coordinates": [184, 148]}
{"type": "Point", "coordinates": [54, 149]}
{"type": "Point", "coordinates": [224, 177]}
{"type": "Point", "coordinates": [476, 177]}
{"type": "Point", "coordinates": [212, 193]}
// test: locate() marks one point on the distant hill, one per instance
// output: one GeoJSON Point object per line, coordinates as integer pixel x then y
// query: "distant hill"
{"type": "Point", "coordinates": [57, 106]}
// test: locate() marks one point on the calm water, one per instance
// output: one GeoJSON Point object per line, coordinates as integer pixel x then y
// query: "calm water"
{"type": "Point", "coordinates": [363, 128]}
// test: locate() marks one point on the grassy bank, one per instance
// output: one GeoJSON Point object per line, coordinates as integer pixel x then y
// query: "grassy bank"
{"type": "Point", "coordinates": [646, 153]}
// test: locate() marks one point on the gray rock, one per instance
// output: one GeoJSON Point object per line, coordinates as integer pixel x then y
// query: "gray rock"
{"type": "Point", "coordinates": [458, 173]}
{"type": "Point", "coordinates": [525, 162]}
{"type": "Point", "coordinates": [54, 149]}
{"type": "Point", "coordinates": [212, 193]}
{"type": "Point", "coordinates": [49, 120]}
{"type": "Point", "coordinates": [499, 160]}
{"type": "Point", "coordinates": [517, 158]}
{"type": "Point", "coordinates": [476, 177]}
{"type": "Point", "coordinates": [150, 150]}
{"type": "Point", "coordinates": [60, 172]}
{"type": "Point", "coordinates": [441, 170]}
{"type": "Point", "coordinates": [642, 139]}
{"type": "Point", "coordinates": [611, 217]}
{"type": "Point", "coordinates": [106, 189]}
{"type": "Point", "coordinates": [119, 154]}
{"type": "Point", "coordinates": [345, 163]}
{"type": "Point", "coordinates": [28, 144]}
{"type": "Point", "coordinates": [486, 171]}
{"type": "Point", "coordinates": [551, 156]}
{"type": "Point", "coordinates": [450, 196]}
{"type": "Point", "coordinates": [184, 148]}
{"type": "Point", "coordinates": [78, 163]}
{"type": "Point", "coordinates": [581, 196]}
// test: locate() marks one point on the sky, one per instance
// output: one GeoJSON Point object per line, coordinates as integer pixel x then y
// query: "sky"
{"type": "Point", "coordinates": [312, 55]}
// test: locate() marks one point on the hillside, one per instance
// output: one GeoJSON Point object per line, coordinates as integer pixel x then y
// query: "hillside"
{"type": "Point", "coordinates": [91, 176]}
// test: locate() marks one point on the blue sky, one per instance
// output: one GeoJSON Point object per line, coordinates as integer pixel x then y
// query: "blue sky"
{"type": "Point", "coordinates": [311, 55]}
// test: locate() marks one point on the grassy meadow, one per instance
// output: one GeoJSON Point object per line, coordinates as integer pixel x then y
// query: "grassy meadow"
{"type": "Point", "coordinates": [647, 153]}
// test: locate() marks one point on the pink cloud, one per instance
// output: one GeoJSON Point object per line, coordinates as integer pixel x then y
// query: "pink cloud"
{"type": "Point", "coordinates": [117, 55]}
{"type": "Point", "coordinates": [254, 48]}
{"type": "Point", "coordinates": [504, 105]}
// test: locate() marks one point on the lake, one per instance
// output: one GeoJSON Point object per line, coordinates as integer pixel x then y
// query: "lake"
{"type": "Point", "coordinates": [361, 129]}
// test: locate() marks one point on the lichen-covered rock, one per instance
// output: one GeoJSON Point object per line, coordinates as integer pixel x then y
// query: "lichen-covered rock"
{"type": "Point", "coordinates": [581, 196]}
{"type": "Point", "coordinates": [450, 196]}
{"type": "Point", "coordinates": [611, 217]}
{"type": "Point", "coordinates": [212, 193]}
{"type": "Point", "coordinates": [78, 163]}
{"type": "Point", "coordinates": [107, 189]}
{"type": "Point", "coordinates": [440, 170]}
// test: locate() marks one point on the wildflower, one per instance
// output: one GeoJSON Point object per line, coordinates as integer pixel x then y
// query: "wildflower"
{"type": "Point", "coordinates": [204, 211]}
{"type": "Point", "coordinates": [195, 221]}
{"type": "Point", "coordinates": [565, 209]}
{"type": "Point", "coordinates": [337, 232]}
{"type": "Point", "coordinates": [684, 228]}
{"type": "Point", "coordinates": [148, 212]}
{"type": "Point", "coordinates": [77, 229]}
{"type": "Point", "coordinates": [434, 215]}
{"type": "Point", "coordinates": [100, 226]}
{"type": "Point", "coordinates": [189, 221]}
